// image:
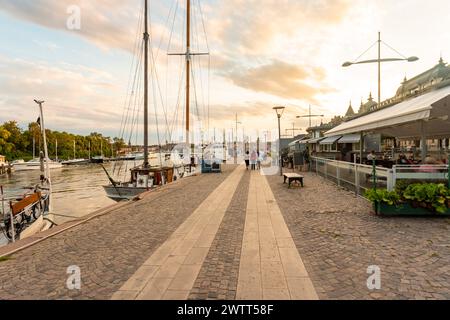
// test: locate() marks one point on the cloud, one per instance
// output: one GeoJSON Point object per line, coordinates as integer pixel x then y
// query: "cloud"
{"type": "Point", "coordinates": [77, 96]}
{"type": "Point", "coordinates": [252, 26]}
{"type": "Point", "coordinates": [280, 79]}
{"type": "Point", "coordinates": [100, 24]}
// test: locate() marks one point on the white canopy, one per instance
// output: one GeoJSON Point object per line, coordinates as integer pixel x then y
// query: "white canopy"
{"type": "Point", "coordinates": [401, 120]}
{"type": "Point", "coordinates": [330, 140]}
{"type": "Point", "coordinates": [350, 138]}
{"type": "Point", "coordinates": [316, 140]}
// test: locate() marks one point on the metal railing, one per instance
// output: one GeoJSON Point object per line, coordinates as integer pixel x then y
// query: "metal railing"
{"type": "Point", "coordinates": [421, 173]}
{"type": "Point", "coordinates": [359, 177]}
{"type": "Point", "coordinates": [352, 176]}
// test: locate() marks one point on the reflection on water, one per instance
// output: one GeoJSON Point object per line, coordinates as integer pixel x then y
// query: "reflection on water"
{"type": "Point", "coordinates": [77, 191]}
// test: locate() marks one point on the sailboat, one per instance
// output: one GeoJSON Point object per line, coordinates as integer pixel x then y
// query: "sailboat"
{"type": "Point", "coordinates": [157, 168]}
{"type": "Point", "coordinates": [31, 213]}
{"type": "Point", "coordinates": [75, 161]}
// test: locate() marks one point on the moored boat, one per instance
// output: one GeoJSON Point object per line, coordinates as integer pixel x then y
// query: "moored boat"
{"type": "Point", "coordinates": [35, 164]}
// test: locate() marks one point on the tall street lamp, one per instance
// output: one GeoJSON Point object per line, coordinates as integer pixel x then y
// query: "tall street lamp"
{"type": "Point", "coordinates": [235, 140]}
{"type": "Point", "coordinates": [379, 61]}
{"type": "Point", "coordinates": [279, 111]}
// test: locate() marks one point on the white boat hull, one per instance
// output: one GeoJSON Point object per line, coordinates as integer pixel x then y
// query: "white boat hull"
{"type": "Point", "coordinates": [120, 193]}
{"type": "Point", "coordinates": [34, 166]}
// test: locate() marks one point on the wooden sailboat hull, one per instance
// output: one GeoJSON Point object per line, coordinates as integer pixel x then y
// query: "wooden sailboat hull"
{"type": "Point", "coordinates": [120, 193]}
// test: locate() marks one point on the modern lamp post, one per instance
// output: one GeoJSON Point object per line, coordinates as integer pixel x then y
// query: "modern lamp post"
{"type": "Point", "coordinates": [379, 61]}
{"type": "Point", "coordinates": [279, 111]}
{"type": "Point", "coordinates": [235, 140]}
{"type": "Point", "coordinates": [310, 116]}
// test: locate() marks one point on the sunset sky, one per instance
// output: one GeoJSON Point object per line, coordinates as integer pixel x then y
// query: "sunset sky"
{"type": "Point", "coordinates": [263, 53]}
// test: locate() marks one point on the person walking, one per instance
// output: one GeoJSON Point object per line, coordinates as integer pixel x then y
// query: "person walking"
{"type": "Point", "coordinates": [253, 159]}
{"type": "Point", "coordinates": [247, 159]}
{"type": "Point", "coordinates": [258, 161]}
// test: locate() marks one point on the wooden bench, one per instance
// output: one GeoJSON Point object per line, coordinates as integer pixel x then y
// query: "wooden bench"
{"type": "Point", "coordinates": [293, 177]}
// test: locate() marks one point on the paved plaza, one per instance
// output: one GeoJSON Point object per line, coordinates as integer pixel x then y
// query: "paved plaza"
{"type": "Point", "coordinates": [237, 236]}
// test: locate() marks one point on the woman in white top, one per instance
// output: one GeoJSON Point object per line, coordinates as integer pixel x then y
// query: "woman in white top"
{"type": "Point", "coordinates": [247, 159]}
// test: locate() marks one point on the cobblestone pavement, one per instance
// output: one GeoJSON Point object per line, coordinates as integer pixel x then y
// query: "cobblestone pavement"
{"type": "Point", "coordinates": [339, 237]}
{"type": "Point", "coordinates": [108, 249]}
{"type": "Point", "coordinates": [218, 277]}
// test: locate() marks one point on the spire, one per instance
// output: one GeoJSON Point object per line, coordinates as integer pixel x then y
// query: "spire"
{"type": "Point", "coordinates": [350, 111]}
{"type": "Point", "coordinates": [441, 61]}
{"type": "Point", "coordinates": [370, 97]}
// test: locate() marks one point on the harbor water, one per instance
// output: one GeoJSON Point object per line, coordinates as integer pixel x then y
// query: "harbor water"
{"type": "Point", "coordinates": [77, 190]}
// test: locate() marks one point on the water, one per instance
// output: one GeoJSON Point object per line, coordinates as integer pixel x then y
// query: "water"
{"type": "Point", "coordinates": [77, 191]}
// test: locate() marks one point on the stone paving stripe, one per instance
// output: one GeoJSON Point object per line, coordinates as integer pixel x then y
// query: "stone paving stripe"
{"type": "Point", "coordinates": [180, 277]}
{"type": "Point", "coordinates": [218, 277]}
{"type": "Point", "coordinates": [271, 267]}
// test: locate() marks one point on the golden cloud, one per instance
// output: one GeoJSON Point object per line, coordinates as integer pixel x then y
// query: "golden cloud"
{"type": "Point", "coordinates": [280, 79]}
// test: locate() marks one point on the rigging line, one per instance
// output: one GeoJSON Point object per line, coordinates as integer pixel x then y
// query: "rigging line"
{"type": "Point", "coordinates": [177, 108]}
{"type": "Point", "coordinates": [178, 104]}
{"type": "Point", "coordinates": [165, 27]}
{"type": "Point", "coordinates": [203, 23]}
{"type": "Point", "coordinates": [209, 90]}
{"type": "Point", "coordinates": [133, 59]}
{"type": "Point", "coordinates": [133, 104]}
{"type": "Point", "coordinates": [394, 50]}
{"type": "Point", "coordinates": [376, 42]}
{"type": "Point", "coordinates": [155, 71]}
{"type": "Point", "coordinates": [155, 103]}
{"type": "Point", "coordinates": [199, 62]}
{"type": "Point", "coordinates": [136, 75]}
{"type": "Point", "coordinates": [168, 49]}
{"type": "Point", "coordinates": [135, 113]}
{"type": "Point", "coordinates": [195, 94]}
{"type": "Point", "coordinates": [139, 101]}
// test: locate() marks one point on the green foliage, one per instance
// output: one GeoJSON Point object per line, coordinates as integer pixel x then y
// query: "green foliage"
{"type": "Point", "coordinates": [430, 195]}
{"type": "Point", "coordinates": [16, 143]}
{"type": "Point", "coordinates": [434, 195]}
{"type": "Point", "coordinates": [383, 196]}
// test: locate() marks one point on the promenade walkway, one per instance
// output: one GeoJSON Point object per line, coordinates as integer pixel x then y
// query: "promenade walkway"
{"type": "Point", "coordinates": [270, 266]}
{"type": "Point", "coordinates": [237, 236]}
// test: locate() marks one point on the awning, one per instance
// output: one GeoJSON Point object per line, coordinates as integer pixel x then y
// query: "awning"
{"type": "Point", "coordinates": [314, 141]}
{"type": "Point", "coordinates": [401, 119]}
{"type": "Point", "coordinates": [304, 141]}
{"type": "Point", "coordinates": [350, 138]}
{"type": "Point", "coordinates": [330, 140]}
{"type": "Point", "coordinates": [295, 142]}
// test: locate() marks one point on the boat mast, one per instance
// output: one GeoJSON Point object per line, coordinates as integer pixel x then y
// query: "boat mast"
{"type": "Point", "coordinates": [188, 70]}
{"type": "Point", "coordinates": [74, 153]}
{"type": "Point", "coordinates": [146, 40]}
{"type": "Point", "coordinates": [47, 160]}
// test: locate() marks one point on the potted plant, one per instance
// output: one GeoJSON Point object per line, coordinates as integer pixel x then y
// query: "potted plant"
{"type": "Point", "coordinates": [430, 196]}
{"type": "Point", "coordinates": [416, 199]}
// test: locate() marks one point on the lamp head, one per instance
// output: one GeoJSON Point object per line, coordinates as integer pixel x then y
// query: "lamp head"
{"type": "Point", "coordinates": [412, 59]}
{"type": "Point", "coordinates": [347, 64]}
{"type": "Point", "coordinates": [38, 102]}
{"type": "Point", "coordinates": [279, 110]}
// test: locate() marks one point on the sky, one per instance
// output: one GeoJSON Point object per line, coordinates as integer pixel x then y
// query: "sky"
{"type": "Point", "coordinates": [263, 53]}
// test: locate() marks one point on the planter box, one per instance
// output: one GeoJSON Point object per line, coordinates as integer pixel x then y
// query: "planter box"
{"type": "Point", "coordinates": [405, 209]}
